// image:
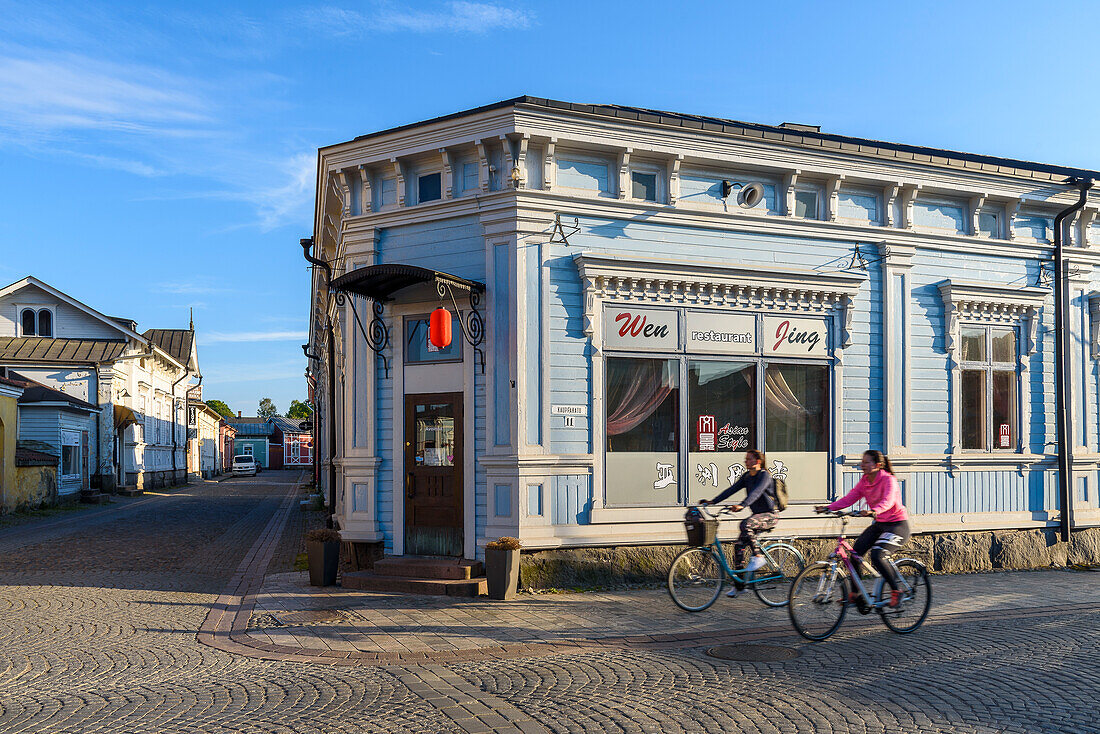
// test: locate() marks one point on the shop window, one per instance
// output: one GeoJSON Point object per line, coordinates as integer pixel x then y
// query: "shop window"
{"type": "Point", "coordinates": [806, 205]}
{"type": "Point", "coordinates": [722, 423]}
{"type": "Point", "coordinates": [988, 387]}
{"type": "Point", "coordinates": [643, 185]}
{"type": "Point", "coordinates": [419, 350]}
{"type": "Point", "coordinates": [429, 187]}
{"type": "Point", "coordinates": [796, 427]}
{"type": "Point", "coordinates": [643, 431]}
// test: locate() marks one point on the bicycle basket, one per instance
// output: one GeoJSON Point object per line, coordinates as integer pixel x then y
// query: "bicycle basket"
{"type": "Point", "coordinates": [701, 530]}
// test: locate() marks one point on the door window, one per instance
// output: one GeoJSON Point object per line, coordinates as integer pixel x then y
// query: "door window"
{"type": "Point", "coordinates": [435, 435]}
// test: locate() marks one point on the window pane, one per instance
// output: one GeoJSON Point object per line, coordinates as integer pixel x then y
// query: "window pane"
{"type": "Point", "coordinates": [1004, 345]}
{"type": "Point", "coordinates": [973, 409]}
{"type": "Point", "coordinates": [430, 188]}
{"type": "Point", "coordinates": [435, 435]}
{"type": "Point", "coordinates": [805, 204]}
{"type": "Point", "coordinates": [796, 427]}
{"type": "Point", "coordinates": [469, 176]}
{"type": "Point", "coordinates": [722, 424]}
{"type": "Point", "coordinates": [644, 185]}
{"type": "Point", "coordinates": [70, 460]}
{"type": "Point", "coordinates": [1004, 410]}
{"type": "Point", "coordinates": [419, 349]}
{"type": "Point", "coordinates": [45, 323]}
{"type": "Point", "coordinates": [989, 224]}
{"type": "Point", "coordinates": [28, 323]}
{"type": "Point", "coordinates": [643, 431]}
{"type": "Point", "coordinates": [973, 345]}
{"type": "Point", "coordinates": [389, 191]}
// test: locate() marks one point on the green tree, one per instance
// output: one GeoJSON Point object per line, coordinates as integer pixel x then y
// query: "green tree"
{"type": "Point", "coordinates": [299, 410]}
{"type": "Point", "coordinates": [222, 408]}
{"type": "Point", "coordinates": [267, 409]}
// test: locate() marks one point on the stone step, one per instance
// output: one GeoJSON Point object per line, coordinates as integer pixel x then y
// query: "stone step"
{"type": "Point", "coordinates": [428, 568]}
{"type": "Point", "coordinates": [130, 491]}
{"type": "Point", "coordinates": [366, 581]}
{"type": "Point", "coordinates": [93, 497]}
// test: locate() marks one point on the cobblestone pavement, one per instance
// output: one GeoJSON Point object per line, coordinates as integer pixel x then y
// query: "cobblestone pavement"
{"type": "Point", "coordinates": [155, 616]}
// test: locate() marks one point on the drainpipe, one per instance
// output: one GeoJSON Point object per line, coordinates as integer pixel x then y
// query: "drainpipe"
{"type": "Point", "coordinates": [1062, 387]}
{"type": "Point", "coordinates": [306, 245]}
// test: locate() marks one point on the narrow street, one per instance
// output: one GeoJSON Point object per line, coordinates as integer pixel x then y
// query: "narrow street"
{"type": "Point", "coordinates": [102, 611]}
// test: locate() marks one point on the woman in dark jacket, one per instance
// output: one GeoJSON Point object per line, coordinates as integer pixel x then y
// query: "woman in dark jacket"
{"type": "Point", "coordinates": [760, 499]}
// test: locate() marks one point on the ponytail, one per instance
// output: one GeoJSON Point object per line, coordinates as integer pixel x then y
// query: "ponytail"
{"type": "Point", "coordinates": [880, 459]}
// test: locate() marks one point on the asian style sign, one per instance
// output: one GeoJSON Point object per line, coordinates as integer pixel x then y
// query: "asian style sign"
{"type": "Point", "coordinates": [795, 337]}
{"type": "Point", "coordinates": [719, 333]}
{"type": "Point", "coordinates": [641, 329]}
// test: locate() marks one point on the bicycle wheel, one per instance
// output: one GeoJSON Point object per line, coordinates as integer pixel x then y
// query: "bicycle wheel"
{"type": "Point", "coordinates": [911, 611]}
{"type": "Point", "coordinates": [695, 579]}
{"type": "Point", "coordinates": [774, 586]}
{"type": "Point", "coordinates": [818, 600]}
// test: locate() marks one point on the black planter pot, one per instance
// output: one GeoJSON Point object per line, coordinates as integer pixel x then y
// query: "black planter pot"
{"type": "Point", "coordinates": [501, 573]}
{"type": "Point", "coordinates": [324, 561]}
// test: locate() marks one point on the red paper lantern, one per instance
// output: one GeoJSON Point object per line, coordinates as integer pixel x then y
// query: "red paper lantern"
{"type": "Point", "coordinates": [439, 328]}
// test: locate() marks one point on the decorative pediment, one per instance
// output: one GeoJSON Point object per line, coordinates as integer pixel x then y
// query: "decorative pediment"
{"type": "Point", "coordinates": [685, 282]}
{"type": "Point", "coordinates": [971, 301]}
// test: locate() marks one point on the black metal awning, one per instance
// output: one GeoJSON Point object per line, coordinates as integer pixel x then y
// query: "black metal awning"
{"type": "Point", "coordinates": [380, 282]}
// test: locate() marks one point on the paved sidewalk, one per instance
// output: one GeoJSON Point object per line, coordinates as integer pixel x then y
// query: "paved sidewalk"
{"type": "Point", "coordinates": [290, 616]}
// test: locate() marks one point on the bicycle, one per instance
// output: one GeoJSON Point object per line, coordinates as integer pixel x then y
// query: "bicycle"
{"type": "Point", "coordinates": [698, 574]}
{"type": "Point", "coordinates": [821, 593]}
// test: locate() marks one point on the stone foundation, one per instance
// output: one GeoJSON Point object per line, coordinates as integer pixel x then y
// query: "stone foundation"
{"type": "Point", "coordinates": [942, 552]}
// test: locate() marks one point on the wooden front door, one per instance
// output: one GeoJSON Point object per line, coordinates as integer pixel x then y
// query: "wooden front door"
{"type": "Point", "coordinates": [433, 474]}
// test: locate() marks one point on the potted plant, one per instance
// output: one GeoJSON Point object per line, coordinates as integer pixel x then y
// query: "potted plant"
{"type": "Point", "coordinates": [502, 567]}
{"type": "Point", "coordinates": [323, 551]}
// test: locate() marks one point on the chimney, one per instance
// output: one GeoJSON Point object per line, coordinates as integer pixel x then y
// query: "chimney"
{"type": "Point", "coordinates": [238, 414]}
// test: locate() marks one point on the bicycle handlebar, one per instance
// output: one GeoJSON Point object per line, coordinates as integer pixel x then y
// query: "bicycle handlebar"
{"type": "Point", "coordinates": [725, 510]}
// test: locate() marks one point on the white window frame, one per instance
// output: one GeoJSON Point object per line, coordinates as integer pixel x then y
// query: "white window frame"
{"type": "Point", "coordinates": [968, 303]}
{"type": "Point", "coordinates": [997, 211]}
{"type": "Point", "coordinates": [416, 187]}
{"type": "Point", "coordinates": [72, 438]}
{"type": "Point", "coordinates": [650, 169]}
{"type": "Point", "coordinates": [37, 309]}
{"type": "Point", "coordinates": [819, 192]}
{"type": "Point", "coordinates": [988, 366]}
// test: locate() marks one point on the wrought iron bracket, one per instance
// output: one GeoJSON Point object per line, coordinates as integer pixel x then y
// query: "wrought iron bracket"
{"type": "Point", "coordinates": [1045, 276]}
{"type": "Point", "coordinates": [471, 324]}
{"type": "Point", "coordinates": [377, 336]}
{"type": "Point", "coordinates": [862, 262]}
{"type": "Point", "coordinates": [558, 236]}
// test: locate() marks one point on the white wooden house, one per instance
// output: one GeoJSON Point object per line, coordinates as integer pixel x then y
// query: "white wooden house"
{"type": "Point", "coordinates": [136, 382]}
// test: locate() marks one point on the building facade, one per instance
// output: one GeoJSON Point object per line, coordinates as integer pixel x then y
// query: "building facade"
{"type": "Point", "coordinates": [639, 296]}
{"type": "Point", "coordinates": [253, 438]}
{"type": "Point", "coordinates": [296, 444]}
{"type": "Point", "coordinates": [136, 382]}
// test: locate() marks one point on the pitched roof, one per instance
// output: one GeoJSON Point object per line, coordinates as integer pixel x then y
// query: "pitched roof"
{"type": "Point", "coordinates": [30, 457]}
{"type": "Point", "coordinates": [45, 349]}
{"type": "Point", "coordinates": [289, 425]}
{"type": "Point", "coordinates": [123, 328]}
{"type": "Point", "coordinates": [177, 342]}
{"type": "Point", "coordinates": [251, 426]}
{"type": "Point", "coordinates": [36, 392]}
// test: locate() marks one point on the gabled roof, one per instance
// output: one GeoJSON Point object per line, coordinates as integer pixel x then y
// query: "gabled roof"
{"type": "Point", "coordinates": [288, 425]}
{"type": "Point", "coordinates": [36, 392]}
{"type": "Point", "coordinates": [44, 349]}
{"type": "Point", "coordinates": [124, 330]}
{"type": "Point", "coordinates": [180, 343]}
{"type": "Point", "coordinates": [251, 426]}
{"type": "Point", "coordinates": [34, 453]}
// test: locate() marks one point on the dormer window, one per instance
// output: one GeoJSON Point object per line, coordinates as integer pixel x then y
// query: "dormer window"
{"type": "Point", "coordinates": [34, 322]}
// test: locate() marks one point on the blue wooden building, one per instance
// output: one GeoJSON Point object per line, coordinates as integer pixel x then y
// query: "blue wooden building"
{"type": "Point", "coordinates": [638, 296]}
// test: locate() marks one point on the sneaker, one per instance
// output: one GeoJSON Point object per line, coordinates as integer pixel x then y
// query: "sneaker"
{"type": "Point", "coordinates": [732, 592]}
{"type": "Point", "coordinates": [854, 597]}
{"type": "Point", "coordinates": [755, 564]}
{"type": "Point", "coordinates": [895, 597]}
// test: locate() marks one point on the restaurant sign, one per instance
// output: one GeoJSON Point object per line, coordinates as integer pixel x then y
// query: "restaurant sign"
{"type": "Point", "coordinates": [794, 337]}
{"type": "Point", "coordinates": [720, 333]}
{"type": "Point", "coordinates": [641, 329]}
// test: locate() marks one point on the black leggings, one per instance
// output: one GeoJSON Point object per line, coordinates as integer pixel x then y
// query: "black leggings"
{"type": "Point", "coordinates": [881, 538]}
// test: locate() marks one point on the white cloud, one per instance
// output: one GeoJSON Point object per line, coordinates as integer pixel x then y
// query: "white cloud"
{"type": "Point", "coordinates": [455, 17]}
{"type": "Point", "coordinates": [252, 336]}
{"type": "Point", "coordinates": [52, 93]}
{"type": "Point", "coordinates": [293, 197]}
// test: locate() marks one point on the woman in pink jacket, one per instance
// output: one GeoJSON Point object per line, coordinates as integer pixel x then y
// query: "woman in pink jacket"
{"type": "Point", "coordinates": [890, 530]}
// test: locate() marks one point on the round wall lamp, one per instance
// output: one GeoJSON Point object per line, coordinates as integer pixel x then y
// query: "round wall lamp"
{"type": "Point", "coordinates": [748, 195]}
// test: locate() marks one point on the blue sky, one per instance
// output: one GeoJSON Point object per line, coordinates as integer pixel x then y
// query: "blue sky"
{"type": "Point", "coordinates": [160, 157]}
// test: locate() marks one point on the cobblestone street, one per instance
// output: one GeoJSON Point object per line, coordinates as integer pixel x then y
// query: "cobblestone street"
{"type": "Point", "coordinates": [169, 613]}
